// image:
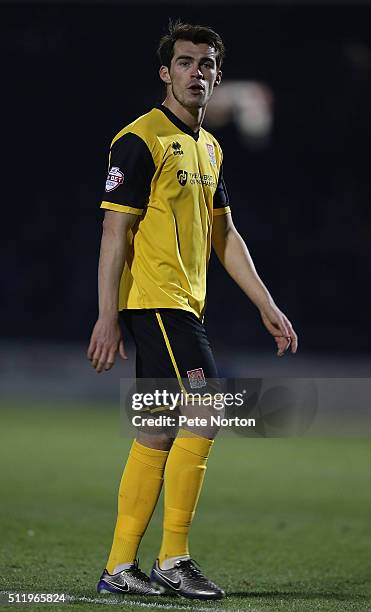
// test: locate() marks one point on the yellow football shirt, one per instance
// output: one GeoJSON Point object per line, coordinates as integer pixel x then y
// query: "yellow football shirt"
{"type": "Point", "coordinates": [172, 179]}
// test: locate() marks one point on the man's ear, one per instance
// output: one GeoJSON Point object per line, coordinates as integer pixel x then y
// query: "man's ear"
{"type": "Point", "coordinates": [164, 75]}
{"type": "Point", "coordinates": [218, 78]}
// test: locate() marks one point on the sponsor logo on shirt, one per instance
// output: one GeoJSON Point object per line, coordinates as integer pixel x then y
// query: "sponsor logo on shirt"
{"type": "Point", "coordinates": [211, 152]}
{"type": "Point", "coordinates": [182, 176]}
{"type": "Point", "coordinates": [196, 378]}
{"type": "Point", "coordinates": [195, 178]}
{"type": "Point", "coordinates": [115, 178]}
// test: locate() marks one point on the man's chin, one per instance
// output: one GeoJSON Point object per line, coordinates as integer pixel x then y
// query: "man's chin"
{"type": "Point", "coordinates": [196, 103]}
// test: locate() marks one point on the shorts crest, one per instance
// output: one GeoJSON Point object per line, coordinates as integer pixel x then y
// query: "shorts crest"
{"type": "Point", "coordinates": [196, 378]}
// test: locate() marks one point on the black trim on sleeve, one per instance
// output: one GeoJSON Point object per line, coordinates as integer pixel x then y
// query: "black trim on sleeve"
{"type": "Point", "coordinates": [221, 198]}
{"type": "Point", "coordinates": [134, 167]}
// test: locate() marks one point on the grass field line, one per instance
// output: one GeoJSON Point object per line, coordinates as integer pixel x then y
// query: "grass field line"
{"type": "Point", "coordinates": [141, 604]}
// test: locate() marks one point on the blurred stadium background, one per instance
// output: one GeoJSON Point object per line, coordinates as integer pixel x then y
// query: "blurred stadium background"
{"type": "Point", "coordinates": [293, 117]}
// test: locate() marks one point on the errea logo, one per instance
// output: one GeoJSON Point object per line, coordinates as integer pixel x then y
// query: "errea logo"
{"type": "Point", "coordinates": [177, 148]}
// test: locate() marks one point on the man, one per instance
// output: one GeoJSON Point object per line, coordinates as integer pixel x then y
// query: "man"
{"type": "Point", "coordinates": [166, 204]}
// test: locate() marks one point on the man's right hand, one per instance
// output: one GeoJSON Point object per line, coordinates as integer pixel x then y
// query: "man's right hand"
{"type": "Point", "coordinates": [105, 341]}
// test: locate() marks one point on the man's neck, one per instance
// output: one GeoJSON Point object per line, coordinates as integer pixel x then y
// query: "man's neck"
{"type": "Point", "coordinates": [191, 117]}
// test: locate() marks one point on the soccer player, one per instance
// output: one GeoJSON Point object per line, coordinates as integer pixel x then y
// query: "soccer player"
{"type": "Point", "coordinates": [166, 204]}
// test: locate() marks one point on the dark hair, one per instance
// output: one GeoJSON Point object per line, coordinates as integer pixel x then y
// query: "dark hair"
{"type": "Point", "coordinates": [194, 33]}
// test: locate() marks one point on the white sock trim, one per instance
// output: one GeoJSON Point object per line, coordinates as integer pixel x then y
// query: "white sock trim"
{"type": "Point", "coordinates": [122, 567]}
{"type": "Point", "coordinates": [171, 561]}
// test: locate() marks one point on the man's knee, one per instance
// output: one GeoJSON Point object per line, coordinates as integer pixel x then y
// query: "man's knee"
{"type": "Point", "coordinates": [160, 441]}
{"type": "Point", "coordinates": [203, 420]}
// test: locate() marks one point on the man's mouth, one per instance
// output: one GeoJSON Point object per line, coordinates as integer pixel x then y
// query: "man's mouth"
{"type": "Point", "coordinates": [196, 87]}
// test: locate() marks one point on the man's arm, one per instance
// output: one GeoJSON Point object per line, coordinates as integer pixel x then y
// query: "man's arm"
{"type": "Point", "coordinates": [235, 257]}
{"type": "Point", "coordinates": [106, 338]}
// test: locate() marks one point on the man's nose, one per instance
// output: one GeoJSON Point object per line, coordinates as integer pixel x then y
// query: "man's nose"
{"type": "Point", "coordinates": [196, 72]}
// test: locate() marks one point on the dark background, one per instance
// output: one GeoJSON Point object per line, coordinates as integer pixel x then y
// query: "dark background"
{"type": "Point", "coordinates": [73, 75]}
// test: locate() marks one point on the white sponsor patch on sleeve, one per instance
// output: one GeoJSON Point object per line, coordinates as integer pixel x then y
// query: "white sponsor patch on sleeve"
{"type": "Point", "coordinates": [115, 178]}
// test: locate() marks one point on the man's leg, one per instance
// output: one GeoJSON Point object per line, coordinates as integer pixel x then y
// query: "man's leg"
{"type": "Point", "coordinates": [138, 494]}
{"type": "Point", "coordinates": [184, 475]}
{"type": "Point", "coordinates": [190, 352]}
{"type": "Point", "coordinates": [143, 474]}
{"type": "Point", "coordinates": [174, 571]}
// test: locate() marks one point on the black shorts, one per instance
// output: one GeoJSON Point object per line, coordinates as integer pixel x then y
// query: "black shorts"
{"type": "Point", "coordinates": [171, 343]}
{"type": "Point", "coordinates": [173, 354]}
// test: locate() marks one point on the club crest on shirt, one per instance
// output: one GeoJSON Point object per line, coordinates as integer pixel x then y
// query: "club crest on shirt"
{"type": "Point", "coordinates": [115, 178]}
{"type": "Point", "coordinates": [211, 152]}
{"type": "Point", "coordinates": [196, 378]}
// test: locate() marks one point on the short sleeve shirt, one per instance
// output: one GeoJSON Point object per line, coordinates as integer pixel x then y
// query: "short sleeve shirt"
{"type": "Point", "coordinates": [172, 179]}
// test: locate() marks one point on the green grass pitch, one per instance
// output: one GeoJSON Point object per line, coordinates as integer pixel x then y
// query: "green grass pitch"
{"type": "Point", "coordinates": [282, 524]}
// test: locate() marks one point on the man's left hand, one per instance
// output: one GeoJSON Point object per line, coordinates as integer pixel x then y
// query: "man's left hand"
{"type": "Point", "coordinates": [281, 329]}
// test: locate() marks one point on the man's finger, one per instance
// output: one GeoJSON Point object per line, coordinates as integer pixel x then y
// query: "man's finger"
{"type": "Point", "coordinates": [91, 349]}
{"type": "Point", "coordinates": [283, 343]}
{"type": "Point", "coordinates": [96, 356]}
{"type": "Point", "coordinates": [102, 362]}
{"type": "Point", "coordinates": [284, 328]}
{"type": "Point", "coordinates": [110, 359]}
{"type": "Point", "coordinates": [293, 337]}
{"type": "Point", "coordinates": [294, 342]}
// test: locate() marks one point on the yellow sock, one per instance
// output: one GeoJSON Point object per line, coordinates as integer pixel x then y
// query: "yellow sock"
{"type": "Point", "coordinates": [138, 494]}
{"type": "Point", "coordinates": [184, 474]}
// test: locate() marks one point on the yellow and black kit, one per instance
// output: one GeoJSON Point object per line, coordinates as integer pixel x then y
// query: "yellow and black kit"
{"type": "Point", "coordinates": [172, 178]}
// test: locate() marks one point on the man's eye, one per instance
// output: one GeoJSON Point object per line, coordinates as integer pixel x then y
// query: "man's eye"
{"type": "Point", "coordinates": [184, 63]}
{"type": "Point", "coordinates": [208, 65]}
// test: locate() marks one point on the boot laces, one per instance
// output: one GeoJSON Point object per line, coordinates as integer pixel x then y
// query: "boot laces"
{"type": "Point", "coordinates": [137, 572]}
{"type": "Point", "coordinates": [191, 566]}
